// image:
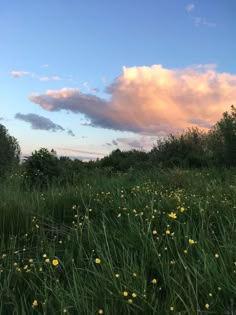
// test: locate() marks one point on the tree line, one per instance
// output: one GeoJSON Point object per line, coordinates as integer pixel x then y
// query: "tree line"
{"type": "Point", "coordinates": [193, 148]}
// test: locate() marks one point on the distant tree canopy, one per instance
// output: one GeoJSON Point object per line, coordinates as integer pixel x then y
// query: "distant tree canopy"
{"type": "Point", "coordinates": [9, 151]}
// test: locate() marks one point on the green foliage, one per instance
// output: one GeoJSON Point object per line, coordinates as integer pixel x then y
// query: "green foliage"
{"type": "Point", "coordinates": [186, 150]}
{"type": "Point", "coordinates": [9, 151]}
{"type": "Point", "coordinates": [41, 168]}
{"type": "Point", "coordinates": [223, 139]}
{"type": "Point", "coordinates": [124, 160]}
{"type": "Point", "coordinates": [48, 252]}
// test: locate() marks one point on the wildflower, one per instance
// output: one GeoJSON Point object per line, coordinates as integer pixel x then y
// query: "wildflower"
{"type": "Point", "coordinates": [44, 255]}
{"type": "Point", "coordinates": [125, 293]}
{"type": "Point", "coordinates": [117, 275]}
{"type": "Point", "coordinates": [47, 260]}
{"type": "Point", "coordinates": [154, 281]}
{"type": "Point", "coordinates": [55, 262]}
{"type": "Point", "coordinates": [182, 209]}
{"type": "Point", "coordinates": [31, 260]}
{"type": "Point", "coordinates": [134, 295]}
{"type": "Point", "coordinates": [207, 306]}
{"type": "Point", "coordinates": [154, 232]}
{"type": "Point", "coordinates": [185, 251]}
{"type": "Point", "coordinates": [171, 308]}
{"type": "Point", "coordinates": [35, 303]}
{"type": "Point", "coordinates": [172, 215]}
{"type": "Point", "coordinates": [191, 242]}
{"type": "Point", "coordinates": [97, 260]}
{"type": "Point", "coordinates": [100, 311]}
{"type": "Point", "coordinates": [167, 232]}
{"type": "Point", "coordinates": [216, 255]}
{"type": "Point", "coordinates": [130, 301]}
{"type": "Point", "coordinates": [134, 274]}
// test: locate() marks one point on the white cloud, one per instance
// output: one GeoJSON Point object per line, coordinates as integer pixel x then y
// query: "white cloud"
{"type": "Point", "coordinates": [202, 21]}
{"type": "Point", "coordinates": [190, 7]}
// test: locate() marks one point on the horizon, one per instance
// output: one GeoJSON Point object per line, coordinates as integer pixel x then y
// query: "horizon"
{"type": "Point", "coordinates": [91, 77]}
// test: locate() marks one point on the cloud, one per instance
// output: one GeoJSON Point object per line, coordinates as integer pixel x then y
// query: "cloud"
{"type": "Point", "coordinates": [79, 151]}
{"type": "Point", "coordinates": [151, 100]}
{"type": "Point", "coordinates": [39, 122]}
{"type": "Point", "coordinates": [18, 74]}
{"type": "Point", "coordinates": [53, 78]}
{"type": "Point", "coordinates": [70, 133]}
{"type": "Point", "coordinates": [1, 118]}
{"type": "Point", "coordinates": [137, 143]}
{"type": "Point", "coordinates": [190, 7]}
{"type": "Point", "coordinates": [114, 142]}
{"type": "Point", "coordinates": [202, 21]}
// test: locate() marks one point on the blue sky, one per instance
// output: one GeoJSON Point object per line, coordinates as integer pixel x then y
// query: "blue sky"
{"type": "Point", "coordinates": [86, 77]}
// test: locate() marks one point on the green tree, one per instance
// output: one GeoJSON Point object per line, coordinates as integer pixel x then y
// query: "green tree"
{"type": "Point", "coordinates": [223, 138]}
{"type": "Point", "coordinates": [9, 151]}
{"type": "Point", "coordinates": [41, 168]}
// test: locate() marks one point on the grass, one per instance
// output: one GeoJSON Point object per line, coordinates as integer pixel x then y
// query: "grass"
{"type": "Point", "coordinates": [110, 245]}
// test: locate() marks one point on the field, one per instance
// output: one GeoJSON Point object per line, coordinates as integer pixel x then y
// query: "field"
{"type": "Point", "coordinates": [161, 243]}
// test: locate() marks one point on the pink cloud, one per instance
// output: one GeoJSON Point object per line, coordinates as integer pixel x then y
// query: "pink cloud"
{"type": "Point", "coordinates": [152, 100]}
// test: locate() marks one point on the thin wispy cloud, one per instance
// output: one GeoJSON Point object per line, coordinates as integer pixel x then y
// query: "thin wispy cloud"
{"type": "Point", "coordinates": [198, 21]}
{"type": "Point", "coordinates": [93, 153]}
{"type": "Point", "coordinates": [39, 122]}
{"type": "Point", "coordinates": [151, 100]}
{"type": "Point", "coordinates": [190, 7]}
{"type": "Point", "coordinates": [19, 74]}
{"type": "Point", "coordinates": [1, 118]}
{"type": "Point", "coordinates": [53, 78]}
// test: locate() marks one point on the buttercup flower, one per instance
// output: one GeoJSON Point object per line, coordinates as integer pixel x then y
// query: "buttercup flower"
{"type": "Point", "coordinates": [55, 262]}
{"type": "Point", "coordinates": [172, 215]}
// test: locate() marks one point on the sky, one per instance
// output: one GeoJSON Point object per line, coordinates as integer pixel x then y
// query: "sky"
{"type": "Point", "coordinates": [87, 77]}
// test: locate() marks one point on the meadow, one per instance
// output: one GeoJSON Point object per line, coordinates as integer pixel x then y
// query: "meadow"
{"type": "Point", "coordinates": [154, 242]}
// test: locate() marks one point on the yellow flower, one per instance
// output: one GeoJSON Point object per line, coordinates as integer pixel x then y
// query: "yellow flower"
{"type": "Point", "coordinates": [117, 275]}
{"type": "Point", "coordinates": [35, 303]}
{"type": "Point", "coordinates": [100, 311]}
{"type": "Point", "coordinates": [171, 308]}
{"type": "Point", "coordinates": [172, 215]}
{"type": "Point", "coordinates": [191, 242]}
{"type": "Point", "coordinates": [154, 232]}
{"type": "Point", "coordinates": [207, 306]}
{"type": "Point", "coordinates": [130, 301]}
{"type": "Point", "coordinates": [167, 232]}
{"type": "Point", "coordinates": [55, 262]}
{"type": "Point", "coordinates": [134, 295]}
{"type": "Point", "coordinates": [154, 281]}
{"type": "Point", "coordinates": [97, 260]}
{"type": "Point", "coordinates": [182, 209]}
{"type": "Point", "coordinates": [125, 293]}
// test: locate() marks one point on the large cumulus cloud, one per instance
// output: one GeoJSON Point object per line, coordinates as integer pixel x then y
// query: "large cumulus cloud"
{"type": "Point", "coordinates": [151, 100]}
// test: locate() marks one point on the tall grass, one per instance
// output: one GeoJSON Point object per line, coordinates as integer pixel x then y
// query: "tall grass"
{"type": "Point", "coordinates": [139, 243]}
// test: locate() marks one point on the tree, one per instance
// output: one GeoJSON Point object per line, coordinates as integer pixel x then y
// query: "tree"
{"type": "Point", "coordinates": [41, 168]}
{"type": "Point", "coordinates": [223, 139]}
{"type": "Point", "coordinates": [9, 151]}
